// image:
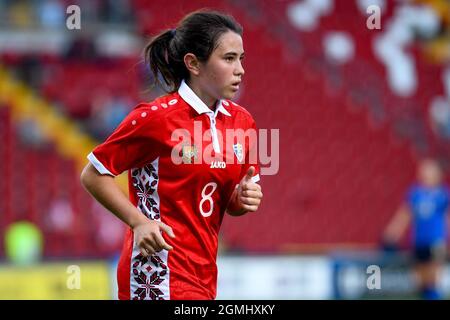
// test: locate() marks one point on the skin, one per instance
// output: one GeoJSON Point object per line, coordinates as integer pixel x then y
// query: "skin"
{"type": "Point", "coordinates": [427, 273]}
{"type": "Point", "coordinates": [218, 78]}
{"type": "Point", "coordinates": [212, 80]}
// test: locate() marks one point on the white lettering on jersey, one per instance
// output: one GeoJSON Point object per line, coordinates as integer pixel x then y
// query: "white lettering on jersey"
{"type": "Point", "coordinates": [218, 165]}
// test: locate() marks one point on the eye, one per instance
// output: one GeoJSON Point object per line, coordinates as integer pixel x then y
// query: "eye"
{"type": "Point", "coordinates": [229, 59]}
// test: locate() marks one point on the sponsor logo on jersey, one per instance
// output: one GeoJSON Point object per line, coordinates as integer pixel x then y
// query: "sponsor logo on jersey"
{"type": "Point", "coordinates": [218, 165]}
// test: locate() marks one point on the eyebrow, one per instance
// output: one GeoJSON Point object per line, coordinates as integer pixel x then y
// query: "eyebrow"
{"type": "Point", "coordinates": [232, 53]}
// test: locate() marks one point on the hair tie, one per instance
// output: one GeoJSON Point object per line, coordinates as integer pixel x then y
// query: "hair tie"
{"type": "Point", "coordinates": [173, 32]}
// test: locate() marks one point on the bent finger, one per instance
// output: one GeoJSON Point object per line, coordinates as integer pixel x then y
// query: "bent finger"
{"type": "Point", "coordinates": [167, 229]}
{"type": "Point", "coordinates": [161, 243]}
{"type": "Point", "coordinates": [250, 201]}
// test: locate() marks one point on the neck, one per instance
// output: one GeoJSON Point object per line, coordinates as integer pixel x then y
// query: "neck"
{"type": "Point", "coordinates": [205, 97]}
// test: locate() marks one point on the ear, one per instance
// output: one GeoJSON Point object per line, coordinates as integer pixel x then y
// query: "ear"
{"type": "Point", "coordinates": [192, 64]}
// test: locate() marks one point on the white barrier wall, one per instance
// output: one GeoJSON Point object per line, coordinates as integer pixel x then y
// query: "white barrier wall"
{"type": "Point", "coordinates": [313, 277]}
{"type": "Point", "coordinates": [274, 277]}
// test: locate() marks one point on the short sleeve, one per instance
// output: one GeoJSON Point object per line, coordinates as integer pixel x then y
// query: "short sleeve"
{"type": "Point", "coordinates": [135, 142]}
{"type": "Point", "coordinates": [251, 154]}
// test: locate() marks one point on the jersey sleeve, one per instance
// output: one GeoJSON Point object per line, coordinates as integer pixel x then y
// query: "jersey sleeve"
{"type": "Point", "coordinates": [135, 142]}
{"type": "Point", "coordinates": [251, 155]}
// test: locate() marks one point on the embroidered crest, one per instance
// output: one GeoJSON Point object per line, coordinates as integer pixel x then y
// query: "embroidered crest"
{"type": "Point", "coordinates": [189, 152]}
{"type": "Point", "coordinates": [238, 151]}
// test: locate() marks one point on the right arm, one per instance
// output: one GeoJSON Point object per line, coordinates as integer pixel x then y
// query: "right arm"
{"type": "Point", "coordinates": [106, 191]}
{"type": "Point", "coordinates": [398, 225]}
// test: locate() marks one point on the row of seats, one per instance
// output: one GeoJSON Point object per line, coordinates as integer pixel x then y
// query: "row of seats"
{"type": "Point", "coordinates": [41, 186]}
{"type": "Point", "coordinates": [343, 169]}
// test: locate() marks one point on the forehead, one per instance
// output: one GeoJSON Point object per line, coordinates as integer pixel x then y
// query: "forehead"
{"type": "Point", "coordinates": [229, 42]}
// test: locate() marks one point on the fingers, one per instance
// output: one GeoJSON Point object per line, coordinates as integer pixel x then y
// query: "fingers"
{"type": "Point", "coordinates": [251, 190]}
{"type": "Point", "coordinates": [251, 208]}
{"type": "Point", "coordinates": [161, 243]}
{"type": "Point", "coordinates": [149, 247]}
{"type": "Point", "coordinates": [144, 252]}
{"type": "Point", "coordinates": [164, 227]}
{"type": "Point", "coordinates": [250, 201]}
{"type": "Point", "coordinates": [250, 172]}
{"type": "Point", "coordinates": [251, 193]}
{"type": "Point", "coordinates": [248, 175]}
{"type": "Point", "coordinates": [150, 239]}
{"type": "Point", "coordinates": [146, 248]}
{"type": "Point", "coordinates": [250, 186]}
{"type": "Point", "coordinates": [250, 196]}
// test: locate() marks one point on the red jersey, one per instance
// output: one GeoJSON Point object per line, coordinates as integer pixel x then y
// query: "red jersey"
{"type": "Point", "coordinates": [181, 172]}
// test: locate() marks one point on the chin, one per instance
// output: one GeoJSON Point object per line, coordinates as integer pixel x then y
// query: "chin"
{"type": "Point", "coordinates": [229, 95]}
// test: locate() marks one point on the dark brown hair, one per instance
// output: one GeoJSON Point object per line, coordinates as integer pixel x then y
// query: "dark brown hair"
{"type": "Point", "coordinates": [196, 33]}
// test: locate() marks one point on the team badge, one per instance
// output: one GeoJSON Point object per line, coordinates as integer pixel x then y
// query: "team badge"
{"type": "Point", "coordinates": [238, 151]}
{"type": "Point", "coordinates": [189, 152]}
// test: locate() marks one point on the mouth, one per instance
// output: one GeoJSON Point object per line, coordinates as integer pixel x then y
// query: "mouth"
{"type": "Point", "coordinates": [235, 85]}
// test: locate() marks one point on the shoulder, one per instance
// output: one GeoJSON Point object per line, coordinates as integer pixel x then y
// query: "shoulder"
{"type": "Point", "coordinates": [238, 111]}
{"type": "Point", "coordinates": [154, 112]}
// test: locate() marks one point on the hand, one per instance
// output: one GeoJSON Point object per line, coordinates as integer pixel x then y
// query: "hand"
{"type": "Point", "coordinates": [249, 194]}
{"type": "Point", "coordinates": [148, 237]}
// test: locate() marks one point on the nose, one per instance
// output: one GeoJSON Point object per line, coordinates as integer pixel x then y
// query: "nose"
{"type": "Point", "coordinates": [239, 69]}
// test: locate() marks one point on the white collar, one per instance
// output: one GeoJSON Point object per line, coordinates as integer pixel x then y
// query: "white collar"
{"type": "Point", "coordinates": [195, 102]}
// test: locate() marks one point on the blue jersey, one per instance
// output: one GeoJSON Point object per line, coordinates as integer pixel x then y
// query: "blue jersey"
{"type": "Point", "coordinates": [428, 207]}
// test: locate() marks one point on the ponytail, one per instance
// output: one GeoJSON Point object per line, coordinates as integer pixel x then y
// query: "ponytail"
{"type": "Point", "coordinates": [162, 63]}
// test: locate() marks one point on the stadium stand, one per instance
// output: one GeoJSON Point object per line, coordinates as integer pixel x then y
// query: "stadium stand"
{"type": "Point", "coordinates": [348, 142]}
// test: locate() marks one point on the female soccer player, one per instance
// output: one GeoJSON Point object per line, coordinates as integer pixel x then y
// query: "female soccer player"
{"type": "Point", "coordinates": [426, 205]}
{"type": "Point", "coordinates": [185, 168]}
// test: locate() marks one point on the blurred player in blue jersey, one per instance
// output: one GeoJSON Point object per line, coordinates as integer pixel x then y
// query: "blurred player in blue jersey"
{"type": "Point", "coordinates": [426, 208]}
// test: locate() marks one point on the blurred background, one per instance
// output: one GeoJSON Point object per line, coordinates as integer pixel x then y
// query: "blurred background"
{"type": "Point", "coordinates": [356, 109]}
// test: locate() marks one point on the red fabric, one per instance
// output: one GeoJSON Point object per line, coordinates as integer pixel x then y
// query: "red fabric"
{"type": "Point", "coordinates": [144, 135]}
